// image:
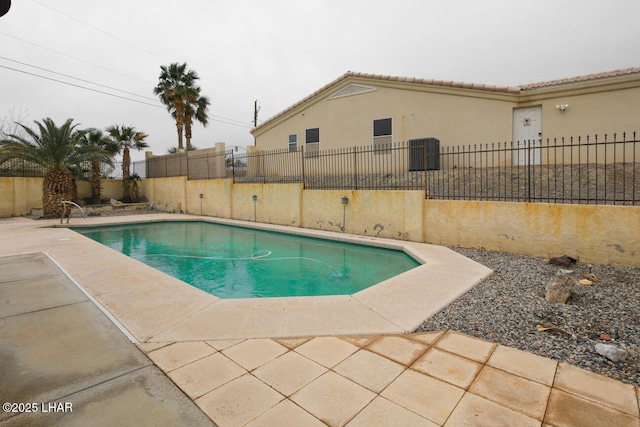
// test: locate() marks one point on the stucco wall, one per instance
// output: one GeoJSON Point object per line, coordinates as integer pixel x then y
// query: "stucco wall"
{"type": "Point", "coordinates": [443, 114]}
{"type": "Point", "coordinates": [591, 110]}
{"type": "Point", "coordinates": [390, 214]}
{"type": "Point", "coordinates": [215, 197]}
{"type": "Point", "coordinates": [167, 194]}
{"type": "Point", "coordinates": [591, 233]}
{"type": "Point", "coordinates": [111, 189]}
{"type": "Point", "coordinates": [19, 195]}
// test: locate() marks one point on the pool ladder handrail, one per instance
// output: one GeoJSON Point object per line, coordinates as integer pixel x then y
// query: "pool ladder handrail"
{"type": "Point", "coordinates": [64, 211]}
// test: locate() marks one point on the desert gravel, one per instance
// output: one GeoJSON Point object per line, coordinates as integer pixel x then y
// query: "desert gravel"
{"type": "Point", "coordinates": [508, 307]}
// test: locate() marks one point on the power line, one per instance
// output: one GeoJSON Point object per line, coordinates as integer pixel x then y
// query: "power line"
{"type": "Point", "coordinates": [99, 30]}
{"type": "Point", "coordinates": [216, 118]}
{"type": "Point", "coordinates": [77, 78]}
{"type": "Point", "coordinates": [81, 87]}
{"type": "Point", "coordinates": [72, 57]}
{"type": "Point", "coordinates": [132, 45]}
{"type": "Point", "coordinates": [86, 62]}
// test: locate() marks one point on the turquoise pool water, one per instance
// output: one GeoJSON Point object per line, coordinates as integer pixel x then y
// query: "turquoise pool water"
{"type": "Point", "coordinates": [238, 262]}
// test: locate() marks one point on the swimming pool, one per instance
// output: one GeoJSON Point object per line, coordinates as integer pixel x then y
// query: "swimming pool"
{"type": "Point", "coordinates": [238, 262]}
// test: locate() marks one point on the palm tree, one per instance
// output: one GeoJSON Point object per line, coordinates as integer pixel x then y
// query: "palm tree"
{"type": "Point", "coordinates": [98, 138]}
{"type": "Point", "coordinates": [59, 150]}
{"type": "Point", "coordinates": [126, 138]}
{"type": "Point", "coordinates": [175, 88]}
{"type": "Point", "coordinates": [195, 108]}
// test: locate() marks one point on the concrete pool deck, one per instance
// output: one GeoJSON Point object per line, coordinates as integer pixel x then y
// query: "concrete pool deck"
{"type": "Point", "coordinates": [265, 362]}
{"type": "Point", "coordinates": [176, 311]}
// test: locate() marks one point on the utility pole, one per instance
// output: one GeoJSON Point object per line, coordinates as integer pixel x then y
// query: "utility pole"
{"type": "Point", "coordinates": [255, 113]}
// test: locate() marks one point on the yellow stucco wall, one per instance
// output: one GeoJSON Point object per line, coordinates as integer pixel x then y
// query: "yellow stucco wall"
{"type": "Point", "coordinates": [600, 234]}
{"type": "Point", "coordinates": [276, 203]}
{"type": "Point", "coordinates": [167, 194]}
{"type": "Point", "coordinates": [19, 195]}
{"type": "Point", "coordinates": [592, 109]}
{"type": "Point", "coordinates": [215, 197]}
{"type": "Point", "coordinates": [111, 189]}
{"type": "Point", "coordinates": [390, 214]}
{"type": "Point", "coordinates": [591, 233]}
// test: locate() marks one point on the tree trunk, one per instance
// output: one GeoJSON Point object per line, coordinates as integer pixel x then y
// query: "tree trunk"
{"type": "Point", "coordinates": [126, 172]}
{"type": "Point", "coordinates": [135, 196]}
{"type": "Point", "coordinates": [179, 123]}
{"type": "Point", "coordinates": [95, 183]}
{"type": "Point", "coordinates": [57, 187]}
{"type": "Point", "coordinates": [187, 134]}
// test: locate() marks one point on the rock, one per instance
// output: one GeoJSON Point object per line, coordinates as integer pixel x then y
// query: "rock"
{"type": "Point", "coordinates": [563, 261]}
{"type": "Point", "coordinates": [604, 337]}
{"type": "Point", "coordinates": [560, 287]}
{"type": "Point", "coordinates": [611, 352]}
{"type": "Point", "coordinates": [114, 202]}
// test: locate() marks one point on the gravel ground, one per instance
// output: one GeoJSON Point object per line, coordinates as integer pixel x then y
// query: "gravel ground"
{"type": "Point", "coordinates": [508, 306]}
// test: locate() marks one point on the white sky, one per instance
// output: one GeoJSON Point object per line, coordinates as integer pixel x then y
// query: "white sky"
{"type": "Point", "coordinates": [278, 52]}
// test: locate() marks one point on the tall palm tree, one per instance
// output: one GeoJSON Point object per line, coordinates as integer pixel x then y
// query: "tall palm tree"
{"type": "Point", "coordinates": [175, 86]}
{"type": "Point", "coordinates": [97, 138]}
{"type": "Point", "coordinates": [126, 138]}
{"type": "Point", "coordinates": [195, 107]}
{"type": "Point", "coordinates": [59, 150]}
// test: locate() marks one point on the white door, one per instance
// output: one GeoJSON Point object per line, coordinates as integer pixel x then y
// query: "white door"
{"type": "Point", "coordinates": [527, 135]}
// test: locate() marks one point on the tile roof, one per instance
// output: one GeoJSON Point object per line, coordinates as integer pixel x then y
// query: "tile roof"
{"type": "Point", "coordinates": [578, 79]}
{"type": "Point", "coordinates": [432, 82]}
{"type": "Point", "coordinates": [463, 85]}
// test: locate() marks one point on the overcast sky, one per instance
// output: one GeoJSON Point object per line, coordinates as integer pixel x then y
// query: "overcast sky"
{"type": "Point", "coordinates": [278, 52]}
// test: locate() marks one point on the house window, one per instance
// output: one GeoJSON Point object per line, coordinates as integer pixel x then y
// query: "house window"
{"type": "Point", "coordinates": [312, 142]}
{"type": "Point", "coordinates": [382, 135]}
{"type": "Point", "coordinates": [293, 142]}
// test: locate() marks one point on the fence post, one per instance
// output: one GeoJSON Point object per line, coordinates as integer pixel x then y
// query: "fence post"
{"type": "Point", "coordinates": [304, 181]}
{"type": "Point", "coordinates": [355, 167]}
{"type": "Point", "coordinates": [529, 170]}
{"type": "Point", "coordinates": [426, 164]}
{"type": "Point", "coordinates": [233, 168]}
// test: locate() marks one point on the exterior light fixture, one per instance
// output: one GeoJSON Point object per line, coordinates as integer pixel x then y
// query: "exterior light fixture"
{"type": "Point", "coordinates": [345, 202]}
{"type": "Point", "coordinates": [255, 213]}
{"type": "Point", "coordinates": [562, 107]}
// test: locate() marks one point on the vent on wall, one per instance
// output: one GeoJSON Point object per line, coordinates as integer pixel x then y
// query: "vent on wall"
{"type": "Point", "coordinates": [352, 89]}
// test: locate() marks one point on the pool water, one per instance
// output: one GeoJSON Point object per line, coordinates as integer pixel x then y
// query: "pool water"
{"type": "Point", "coordinates": [238, 262]}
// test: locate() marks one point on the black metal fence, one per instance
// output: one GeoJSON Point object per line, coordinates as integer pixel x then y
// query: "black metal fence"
{"type": "Point", "coordinates": [23, 168]}
{"type": "Point", "coordinates": [588, 170]}
{"type": "Point", "coordinates": [592, 169]}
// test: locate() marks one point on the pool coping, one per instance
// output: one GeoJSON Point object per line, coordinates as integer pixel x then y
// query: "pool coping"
{"type": "Point", "coordinates": [152, 306]}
